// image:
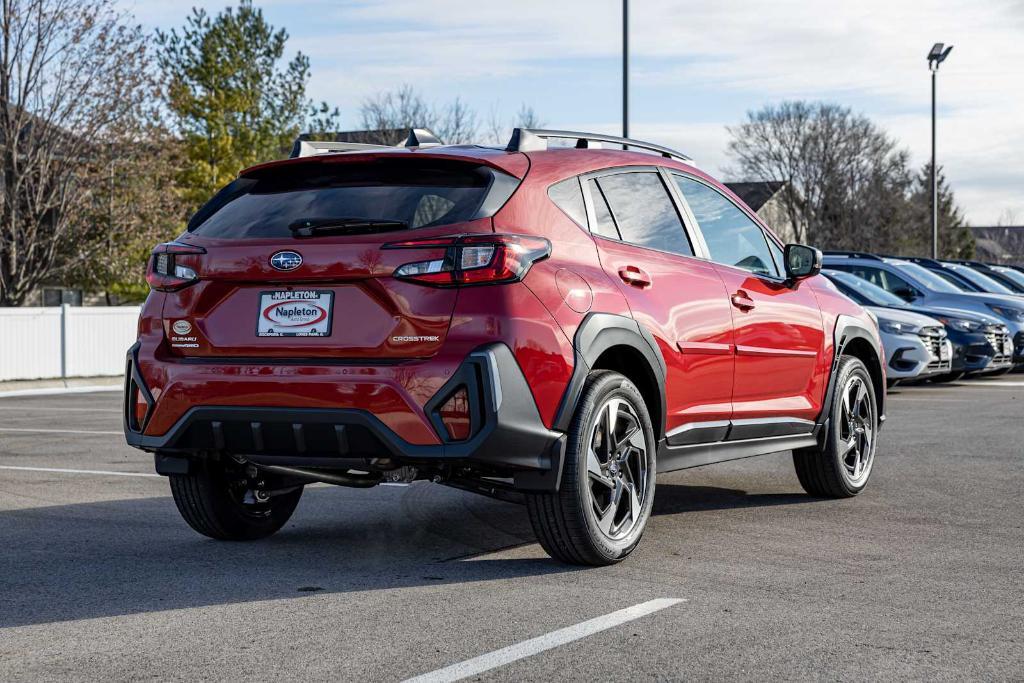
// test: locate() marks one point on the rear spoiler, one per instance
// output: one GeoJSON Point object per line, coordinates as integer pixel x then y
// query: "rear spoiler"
{"type": "Point", "coordinates": [306, 146]}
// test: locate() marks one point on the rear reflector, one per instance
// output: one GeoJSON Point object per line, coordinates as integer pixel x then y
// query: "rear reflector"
{"type": "Point", "coordinates": [473, 259]}
{"type": "Point", "coordinates": [455, 415]}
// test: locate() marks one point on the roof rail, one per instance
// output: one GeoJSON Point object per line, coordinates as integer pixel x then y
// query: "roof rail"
{"type": "Point", "coordinates": [968, 262]}
{"type": "Point", "coordinates": [852, 254]}
{"type": "Point", "coordinates": [922, 261]}
{"type": "Point", "coordinates": [536, 140]}
{"type": "Point", "coordinates": [306, 146]}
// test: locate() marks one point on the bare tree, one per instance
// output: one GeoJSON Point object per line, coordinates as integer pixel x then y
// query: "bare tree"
{"type": "Point", "coordinates": [526, 117]}
{"type": "Point", "coordinates": [1007, 218]}
{"type": "Point", "coordinates": [458, 124]}
{"type": "Point", "coordinates": [73, 86]}
{"type": "Point", "coordinates": [395, 110]}
{"type": "Point", "coordinates": [495, 130]}
{"type": "Point", "coordinates": [846, 180]}
{"type": "Point", "coordinates": [499, 130]}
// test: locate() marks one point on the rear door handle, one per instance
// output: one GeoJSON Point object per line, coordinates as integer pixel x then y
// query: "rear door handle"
{"type": "Point", "coordinates": [741, 301]}
{"type": "Point", "coordinates": [632, 275]}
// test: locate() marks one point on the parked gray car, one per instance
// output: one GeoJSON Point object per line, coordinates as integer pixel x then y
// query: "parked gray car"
{"type": "Point", "coordinates": [915, 283]}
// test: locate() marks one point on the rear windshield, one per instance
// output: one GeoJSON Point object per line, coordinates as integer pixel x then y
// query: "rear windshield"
{"type": "Point", "coordinates": [419, 193]}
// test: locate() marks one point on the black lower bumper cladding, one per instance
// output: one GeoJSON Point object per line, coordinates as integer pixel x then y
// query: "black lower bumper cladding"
{"type": "Point", "coordinates": [507, 434]}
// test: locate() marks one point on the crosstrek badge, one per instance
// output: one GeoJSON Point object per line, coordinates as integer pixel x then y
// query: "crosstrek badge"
{"type": "Point", "coordinates": [302, 313]}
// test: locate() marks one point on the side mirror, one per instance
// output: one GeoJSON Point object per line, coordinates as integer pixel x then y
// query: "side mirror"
{"type": "Point", "coordinates": [802, 262]}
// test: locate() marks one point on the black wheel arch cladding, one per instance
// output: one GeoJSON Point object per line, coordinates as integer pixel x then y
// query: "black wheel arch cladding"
{"type": "Point", "coordinates": [601, 332]}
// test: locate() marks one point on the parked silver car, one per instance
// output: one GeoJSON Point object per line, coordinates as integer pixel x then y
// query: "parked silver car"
{"type": "Point", "coordinates": [915, 345]}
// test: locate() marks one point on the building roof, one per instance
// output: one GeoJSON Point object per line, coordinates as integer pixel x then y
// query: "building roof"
{"type": "Point", "coordinates": [1000, 243]}
{"type": "Point", "coordinates": [756, 194]}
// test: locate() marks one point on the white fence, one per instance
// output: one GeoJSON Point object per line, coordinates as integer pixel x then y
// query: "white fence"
{"type": "Point", "coordinates": [65, 341]}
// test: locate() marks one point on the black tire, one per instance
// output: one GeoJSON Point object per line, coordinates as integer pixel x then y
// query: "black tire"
{"type": "Point", "coordinates": [211, 505]}
{"type": "Point", "coordinates": [566, 522]}
{"type": "Point", "coordinates": [825, 472]}
{"type": "Point", "coordinates": [948, 377]}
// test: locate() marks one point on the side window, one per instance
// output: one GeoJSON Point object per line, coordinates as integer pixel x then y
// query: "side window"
{"type": "Point", "coordinates": [568, 196]}
{"type": "Point", "coordinates": [644, 212]}
{"type": "Point", "coordinates": [881, 278]}
{"type": "Point", "coordinates": [732, 238]}
{"type": "Point", "coordinates": [605, 223]}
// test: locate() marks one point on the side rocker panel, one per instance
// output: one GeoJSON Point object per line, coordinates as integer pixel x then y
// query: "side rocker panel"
{"type": "Point", "coordinates": [847, 330]}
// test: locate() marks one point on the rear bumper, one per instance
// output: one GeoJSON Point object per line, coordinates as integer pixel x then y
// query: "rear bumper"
{"type": "Point", "coordinates": [508, 436]}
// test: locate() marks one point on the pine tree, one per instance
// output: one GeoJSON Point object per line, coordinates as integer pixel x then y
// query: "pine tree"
{"type": "Point", "coordinates": [229, 97]}
{"type": "Point", "coordinates": [955, 238]}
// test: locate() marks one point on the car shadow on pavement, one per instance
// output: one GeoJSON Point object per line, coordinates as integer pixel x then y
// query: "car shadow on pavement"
{"type": "Point", "coordinates": [672, 499]}
{"type": "Point", "coordinates": [122, 557]}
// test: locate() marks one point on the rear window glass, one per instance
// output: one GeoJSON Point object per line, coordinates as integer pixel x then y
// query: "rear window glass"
{"type": "Point", "coordinates": [419, 193]}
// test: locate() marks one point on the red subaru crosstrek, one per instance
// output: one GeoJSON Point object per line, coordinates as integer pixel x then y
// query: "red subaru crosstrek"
{"type": "Point", "coordinates": [555, 325]}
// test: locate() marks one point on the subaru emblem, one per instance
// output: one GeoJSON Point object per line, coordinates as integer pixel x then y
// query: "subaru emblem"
{"type": "Point", "coordinates": [286, 260]}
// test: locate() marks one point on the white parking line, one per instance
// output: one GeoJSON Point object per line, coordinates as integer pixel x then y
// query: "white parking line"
{"type": "Point", "coordinates": [36, 408]}
{"type": "Point", "coordinates": [59, 470]}
{"type": "Point", "coordinates": [986, 385]}
{"type": "Point", "coordinates": [528, 648]}
{"type": "Point", "coordinates": [55, 391]}
{"type": "Point", "coordinates": [58, 431]}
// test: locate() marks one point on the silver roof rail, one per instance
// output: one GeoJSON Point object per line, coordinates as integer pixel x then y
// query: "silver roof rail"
{"type": "Point", "coordinates": [305, 146]}
{"type": "Point", "coordinates": [535, 140]}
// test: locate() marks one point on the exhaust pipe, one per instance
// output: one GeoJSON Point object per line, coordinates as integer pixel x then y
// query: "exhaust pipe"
{"type": "Point", "coordinates": [353, 480]}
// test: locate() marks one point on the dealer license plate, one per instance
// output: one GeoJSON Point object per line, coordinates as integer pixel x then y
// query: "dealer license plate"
{"type": "Point", "coordinates": [295, 313]}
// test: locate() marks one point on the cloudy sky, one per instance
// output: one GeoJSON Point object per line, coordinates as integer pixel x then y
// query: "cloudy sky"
{"type": "Point", "coordinates": [697, 66]}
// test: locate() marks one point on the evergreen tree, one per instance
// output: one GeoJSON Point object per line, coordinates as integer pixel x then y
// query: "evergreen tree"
{"type": "Point", "coordinates": [955, 238]}
{"type": "Point", "coordinates": [230, 98]}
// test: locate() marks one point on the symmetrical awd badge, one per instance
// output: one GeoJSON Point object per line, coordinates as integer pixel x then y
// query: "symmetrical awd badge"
{"type": "Point", "coordinates": [286, 260]}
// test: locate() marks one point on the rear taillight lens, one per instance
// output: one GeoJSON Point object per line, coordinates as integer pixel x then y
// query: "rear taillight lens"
{"type": "Point", "coordinates": [473, 259]}
{"type": "Point", "coordinates": [166, 272]}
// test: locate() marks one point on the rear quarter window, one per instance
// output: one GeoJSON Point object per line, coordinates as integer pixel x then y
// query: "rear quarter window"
{"type": "Point", "coordinates": [568, 196]}
{"type": "Point", "coordinates": [420, 193]}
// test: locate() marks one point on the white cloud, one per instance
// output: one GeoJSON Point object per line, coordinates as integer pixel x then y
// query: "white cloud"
{"type": "Point", "coordinates": [739, 55]}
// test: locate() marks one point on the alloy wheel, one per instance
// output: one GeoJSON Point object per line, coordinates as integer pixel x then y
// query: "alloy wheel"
{"type": "Point", "coordinates": [856, 431]}
{"type": "Point", "coordinates": [617, 469]}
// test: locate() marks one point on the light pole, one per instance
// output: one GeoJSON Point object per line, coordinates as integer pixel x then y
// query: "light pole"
{"type": "Point", "coordinates": [625, 68]}
{"type": "Point", "coordinates": [937, 55]}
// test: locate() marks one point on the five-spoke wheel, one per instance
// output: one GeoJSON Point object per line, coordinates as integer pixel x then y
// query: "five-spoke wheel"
{"type": "Point", "coordinates": [856, 431]}
{"type": "Point", "coordinates": [840, 467]}
{"type": "Point", "coordinates": [604, 500]}
{"type": "Point", "coordinates": [617, 468]}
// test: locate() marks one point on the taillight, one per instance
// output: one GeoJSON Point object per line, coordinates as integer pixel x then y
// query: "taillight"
{"type": "Point", "coordinates": [164, 273]}
{"type": "Point", "coordinates": [473, 259]}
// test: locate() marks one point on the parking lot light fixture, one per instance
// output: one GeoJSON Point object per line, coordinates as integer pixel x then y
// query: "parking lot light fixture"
{"type": "Point", "coordinates": [936, 56]}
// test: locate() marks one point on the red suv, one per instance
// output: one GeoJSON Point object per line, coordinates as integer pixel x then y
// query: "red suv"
{"type": "Point", "coordinates": [549, 324]}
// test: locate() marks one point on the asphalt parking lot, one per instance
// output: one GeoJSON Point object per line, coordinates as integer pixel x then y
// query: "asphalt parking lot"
{"type": "Point", "coordinates": [919, 577]}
